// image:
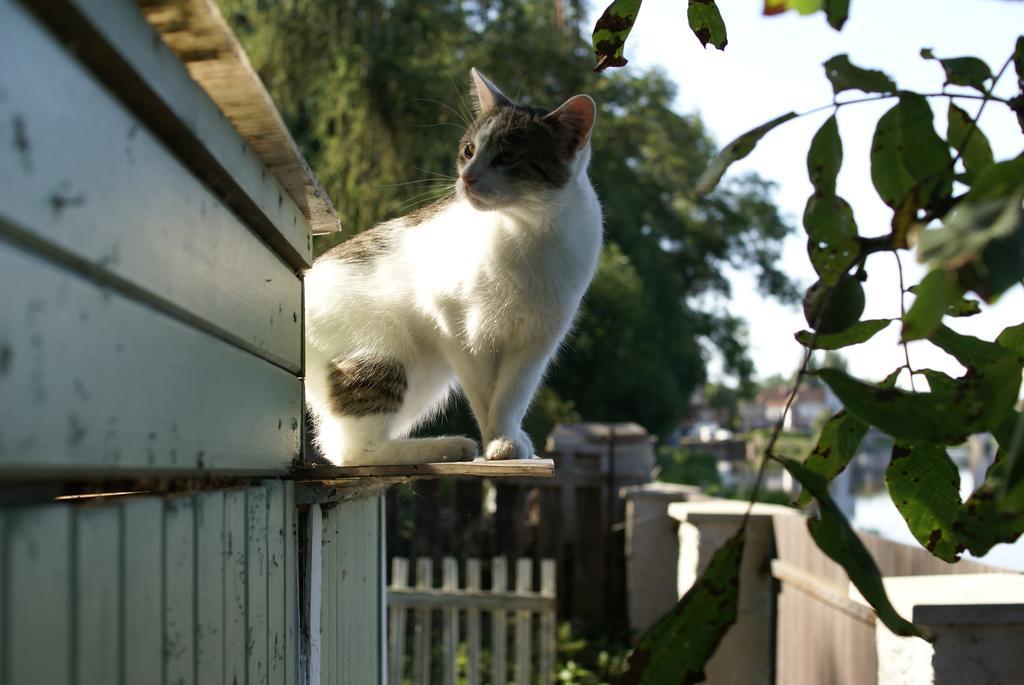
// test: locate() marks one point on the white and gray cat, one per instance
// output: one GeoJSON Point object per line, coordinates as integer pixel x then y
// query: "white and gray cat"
{"type": "Point", "coordinates": [475, 292]}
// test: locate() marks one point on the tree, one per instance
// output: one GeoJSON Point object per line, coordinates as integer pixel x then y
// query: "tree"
{"type": "Point", "coordinates": [375, 93]}
{"type": "Point", "coordinates": [965, 212]}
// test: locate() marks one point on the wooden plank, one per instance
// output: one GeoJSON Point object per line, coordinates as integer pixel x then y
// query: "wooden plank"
{"type": "Point", "coordinates": [114, 40]}
{"type": "Point", "coordinates": [98, 594]}
{"type": "Point", "coordinates": [314, 560]}
{"type": "Point", "coordinates": [483, 600]}
{"type": "Point", "coordinates": [276, 589]}
{"type": "Point", "coordinates": [4, 601]}
{"type": "Point", "coordinates": [547, 641]}
{"type": "Point", "coordinates": [450, 620]}
{"type": "Point", "coordinates": [196, 32]}
{"type": "Point", "coordinates": [142, 590]}
{"type": "Point", "coordinates": [39, 550]}
{"type": "Point", "coordinates": [473, 623]}
{"type": "Point", "coordinates": [356, 575]}
{"type": "Point", "coordinates": [178, 600]}
{"type": "Point", "coordinates": [186, 253]}
{"type": "Point", "coordinates": [422, 625]}
{"type": "Point", "coordinates": [524, 637]}
{"type": "Point", "coordinates": [499, 622]}
{"type": "Point", "coordinates": [235, 587]}
{"type": "Point", "coordinates": [291, 586]}
{"type": "Point", "coordinates": [482, 468]}
{"type": "Point", "coordinates": [210, 559]}
{"type": "Point", "coordinates": [397, 616]}
{"type": "Point", "coordinates": [328, 625]}
{"type": "Point", "coordinates": [256, 553]}
{"type": "Point", "coordinates": [835, 596]}
{"type": "Point", "coordinates": [338, 636]}
{"type": "Point", "coordinates": [193, 403]}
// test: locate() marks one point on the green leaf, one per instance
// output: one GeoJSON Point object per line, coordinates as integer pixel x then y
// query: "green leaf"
{"type": "Point", "coordinates": [994, 513]}
{"type": "Point", "coordinates": [706, 23]}
{"type": "Point", "coordinates": [982, 237]}
{"type": "Point", "coordinates": [837, 11]}
{"type": "Point", "coordinates": [969, 141]}
{"type": "Point", "coordinates": [1012, 338]}
{"type": "Point", "coordinates": [846, 76]}
{"type": "Point", "coordinates": [934, 295]}
{"type": "Point", "coordinates": [1011, 447]}
{"type": "Point", "coordinates": [831, 236]}
{"type": "Point", "coordinates": [859, 332]}
{"type": "Point", "coordinates": [924, 484]}
{"type": "Point", "coordinates": [825, 157]}
{"type": "Point", "coordinates": [909, 162]}
{"type": "Point", "coordinates": [837, 445]}
{"type": "Point", "coordinates": [954, 409]}
{"type": "Point", "coordinates": [734, 151]}
{"type": "Point", "coordinates": [963, 307]}
{"type": "Point", "coordinates": [1018, 59]}
{"type": "Point", "coordinates": [610, 33]}
{"type": "Point", "coordinates": [801, 6]}
{"type": "Point", "coordinates": [962, 71]}
{"type": "Point", "coordinates": [675, 649]}
{"type": "Point", "coordinates": [835, 537]}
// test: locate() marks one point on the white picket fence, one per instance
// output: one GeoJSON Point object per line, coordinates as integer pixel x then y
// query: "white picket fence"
{"type": "Point", "coordinates": [470, 607]}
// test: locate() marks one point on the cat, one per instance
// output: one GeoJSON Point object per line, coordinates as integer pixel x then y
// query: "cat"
{"type": "Point", "coordinates": [477, 291]}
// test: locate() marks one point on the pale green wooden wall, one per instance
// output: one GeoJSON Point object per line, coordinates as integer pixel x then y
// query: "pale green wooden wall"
{"type": "Point", "coordinates": [188, 589]}
{"type": "Point", "coordinates": [148, 330]}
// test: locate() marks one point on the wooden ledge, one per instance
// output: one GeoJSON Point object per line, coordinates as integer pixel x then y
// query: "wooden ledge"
{"type": "Point", "coordinates": [482, 468]}
{"type": "Point", "coordinates": [330, 484]}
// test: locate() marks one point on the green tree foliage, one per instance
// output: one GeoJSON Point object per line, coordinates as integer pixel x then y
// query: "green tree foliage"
{"type": "Point", "coordinates": [965, 212]}
{"type": "Point", "coordinates": [376, 95]}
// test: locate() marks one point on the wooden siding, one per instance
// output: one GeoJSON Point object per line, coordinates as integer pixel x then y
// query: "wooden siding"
{"type": "Point", "coordinates": [352, 583]}
{"type": "Point", "coordinates": [134, 391]}
{"type": "Point", "coordinates": [198, 34]}
{"type": "Point", "coordinates": [114, 40]}
{"type": "Point", "coordinates": [133, 590]}
{"type": "Point", "coordinates": [89, 184]}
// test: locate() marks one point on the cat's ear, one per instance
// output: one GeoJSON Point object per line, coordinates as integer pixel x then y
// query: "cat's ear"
{"type": "Point", "coordinates": [486, 94]}
{"type": "Point", "coordinates": [574, 120]}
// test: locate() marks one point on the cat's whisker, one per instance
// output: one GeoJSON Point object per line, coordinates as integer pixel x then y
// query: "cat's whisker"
{"type": "Point", "coordinates": [440, 123]}
{"type": "Point", "coordinates": [419, 198]}
{"type": "Point", "coordinates": [436, 174]}
{"type": "Point", "coordinates": [447, 107]}
{"type": "Point", "coordinates": [409, 183]}
{"type": "Point", "coordinates": [463, 102]}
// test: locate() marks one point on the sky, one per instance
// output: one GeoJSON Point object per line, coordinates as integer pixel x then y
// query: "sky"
{"type": "Point", "coordinates": [773, 65]}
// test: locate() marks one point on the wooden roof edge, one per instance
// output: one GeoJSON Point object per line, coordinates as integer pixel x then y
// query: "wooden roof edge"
{"type": "Point", "coordinates": [197, 33]}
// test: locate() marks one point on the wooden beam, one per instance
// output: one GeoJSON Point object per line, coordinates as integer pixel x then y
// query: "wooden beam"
{"type": "Point", "coordinates": [482, 468]}
{"type": "Point", "coordinates": [197, 33]}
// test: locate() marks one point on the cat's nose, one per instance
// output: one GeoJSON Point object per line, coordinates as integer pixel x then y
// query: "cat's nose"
{"type": "Point", "coordinates": [469, 180]}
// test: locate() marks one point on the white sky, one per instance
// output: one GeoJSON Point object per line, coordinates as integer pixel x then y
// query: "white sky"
{"type": "Point", "coordinates": [773, 65]}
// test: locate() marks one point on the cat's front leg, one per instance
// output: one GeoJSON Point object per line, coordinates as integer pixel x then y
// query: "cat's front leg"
{"type": "Point", "coordinates": [519, 375]}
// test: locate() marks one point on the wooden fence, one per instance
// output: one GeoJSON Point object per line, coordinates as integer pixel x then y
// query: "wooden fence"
{"type": "Point", "coordinates": [481, 615]}
{"type": "Point", "coordinates": [576, 518]}
{"type": "Point", "coordinates": [822, 636]}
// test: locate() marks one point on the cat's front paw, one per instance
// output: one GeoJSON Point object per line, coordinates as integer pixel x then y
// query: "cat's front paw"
{"type": "Point", "coordinates": [458, 448]}
{"type": "Point", "coordinates": [505, 447]}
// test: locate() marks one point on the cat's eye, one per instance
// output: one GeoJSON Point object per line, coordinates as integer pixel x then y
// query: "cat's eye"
{"type": "Point", "coordinates": [468, 150]}
{"type": "Point", "coordinates": [506, 157]}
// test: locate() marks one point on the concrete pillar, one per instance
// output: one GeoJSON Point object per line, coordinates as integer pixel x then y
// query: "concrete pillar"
{"type": "Point", "coordinates": [746, 654]}
{"type": "Point", "coordinates": [978, 623]}
{"type": "Point", "coordinates": [652, 547]}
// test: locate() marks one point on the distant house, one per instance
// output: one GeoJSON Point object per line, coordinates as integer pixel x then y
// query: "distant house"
{"type": "Point", "coordinates": [809, 406]}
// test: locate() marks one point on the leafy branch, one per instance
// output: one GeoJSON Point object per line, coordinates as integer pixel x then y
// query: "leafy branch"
{"type": "Point", "coordinates": [973, 242]}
